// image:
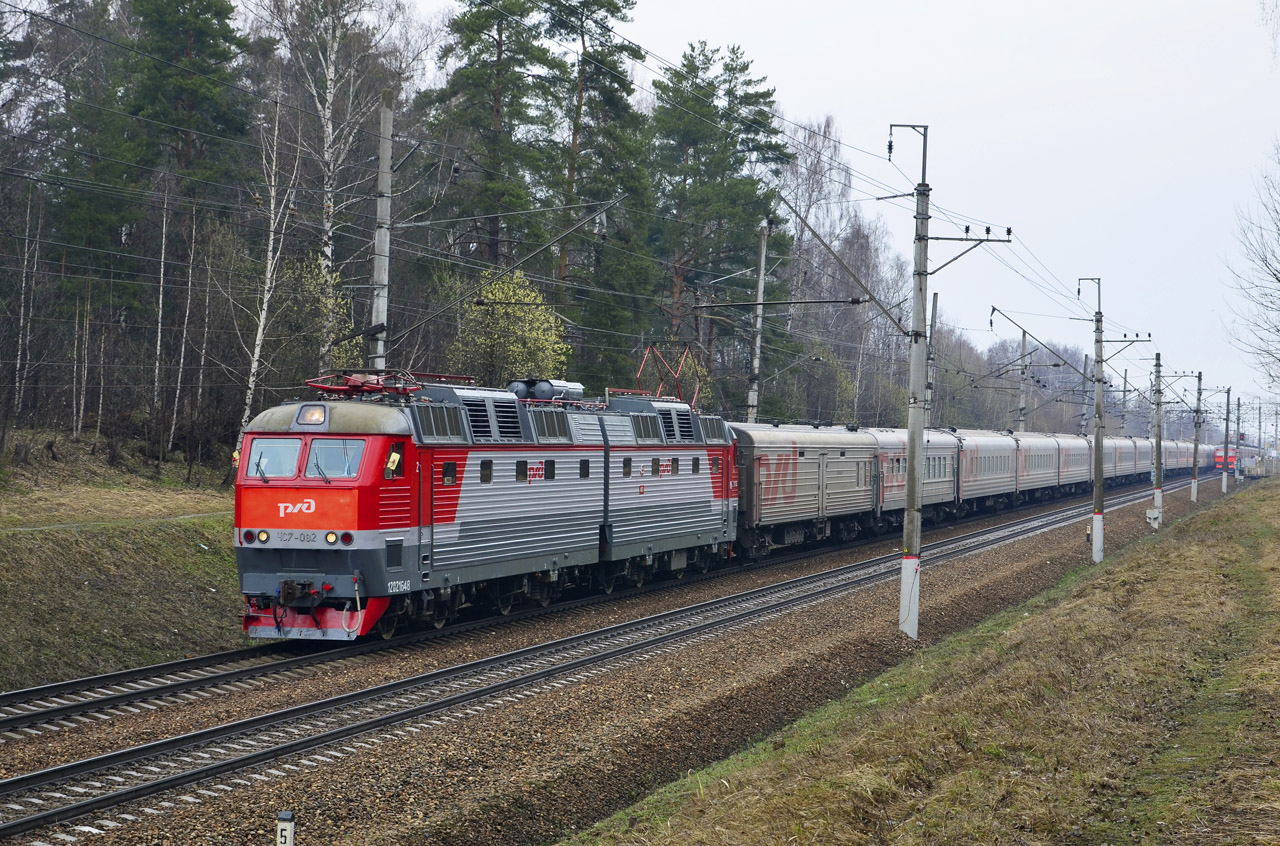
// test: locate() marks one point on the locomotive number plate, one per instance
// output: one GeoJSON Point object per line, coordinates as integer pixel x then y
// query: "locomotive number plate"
{"type": "Point", "coordinates": [398, 587]}
{"type": "Point", "coordinates": [300, 537]}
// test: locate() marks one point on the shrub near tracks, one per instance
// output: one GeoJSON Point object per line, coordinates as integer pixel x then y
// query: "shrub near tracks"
{"type": "Point", "coordinates": [1139, 706]}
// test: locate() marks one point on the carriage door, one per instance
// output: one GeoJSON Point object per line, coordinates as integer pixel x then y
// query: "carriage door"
{"type": "Point", "coordinates": [720, 467]}
{"type": "Point", "coordinates": [822, 484]}
{"type": "Point", "coordinates": [426, 502]}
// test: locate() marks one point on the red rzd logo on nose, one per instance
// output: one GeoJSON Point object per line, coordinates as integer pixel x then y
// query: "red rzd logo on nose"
{"type": "Point", "coordinates": [306, 507]}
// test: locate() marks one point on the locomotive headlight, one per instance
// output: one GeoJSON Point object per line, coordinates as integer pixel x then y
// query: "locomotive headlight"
{"type": "Point", "coordinates": [311, 415]}
{"type": "Point", "coordinates": [263, 536]}
{"type": "Point", "coordinates": [330, 537]}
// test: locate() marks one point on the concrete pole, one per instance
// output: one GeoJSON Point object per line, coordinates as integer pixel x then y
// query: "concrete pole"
{"type": "Point", "coordinates": [909, 594]}
{"type": "Point", "coordinates": [1239, 439]}
{"type": "Point", "coordinates": [382, 236]}
{"type": "Point", "coordinates": [1084, 397]}
{"type": "Point", "coordinates": [1226, 442]}
{"type": "Point", "coordinates": [1124, 405]}
{"type": "Point", "coordinates": [1022, 393]}
{"type": "Point", "coordinates": [1195, 451]}
{"type": "Point", "coordinates": [1098, 427]}
{"type": "Point", "coordinates": [1158, 478]}
{"type": "Point", "coordinates": [930, 368]}
{"type": "Point", "coordinates": [757, 332]}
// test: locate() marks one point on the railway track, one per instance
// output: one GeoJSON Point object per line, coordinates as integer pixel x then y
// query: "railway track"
{"type": "Point", "coordinates": [329, 730]}
{"type": "Point", "coordinates": [66, 705]}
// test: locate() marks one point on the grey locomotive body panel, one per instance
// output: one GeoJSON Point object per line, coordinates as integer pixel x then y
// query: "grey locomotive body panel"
{"type": "Point", "coordinates": [521, 521]}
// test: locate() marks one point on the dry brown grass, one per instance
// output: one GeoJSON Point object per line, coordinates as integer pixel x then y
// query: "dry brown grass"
{"type": "Point", "coordinates": [76, 483]}
{"type": "Point", "coordinates": [1139, 706]}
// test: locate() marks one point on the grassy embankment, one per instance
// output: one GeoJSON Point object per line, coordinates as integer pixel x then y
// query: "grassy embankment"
{"type": "Point", "coordinates": [100, 568]}
{"type": "Point", "coordinates": [1134, 703]}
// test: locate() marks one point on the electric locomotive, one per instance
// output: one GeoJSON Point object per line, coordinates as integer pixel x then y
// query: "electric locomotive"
{"type": "Point", "coordinates": [400, 496]}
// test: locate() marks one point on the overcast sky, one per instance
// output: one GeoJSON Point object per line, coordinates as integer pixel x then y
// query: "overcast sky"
{"type": "Point", "coordinates": [1117, 139]}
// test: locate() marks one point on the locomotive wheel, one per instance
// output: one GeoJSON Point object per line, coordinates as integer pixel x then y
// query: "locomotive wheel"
{"type": "Point", "coordinates": [607, 583]}
{"type": "Point", "coordinates": [503, 603]}
{"type": "Point", "coordinates": [544, 598]}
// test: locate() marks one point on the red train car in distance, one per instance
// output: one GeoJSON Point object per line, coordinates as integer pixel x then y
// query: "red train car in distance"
{"type": "Point", "coordinates": [1231, 458]}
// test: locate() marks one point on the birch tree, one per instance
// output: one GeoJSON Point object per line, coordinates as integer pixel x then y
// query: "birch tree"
{"type": "Point", "coordinates": [341, 55]}
{"type": "Point", "coordinates": [280, 162]}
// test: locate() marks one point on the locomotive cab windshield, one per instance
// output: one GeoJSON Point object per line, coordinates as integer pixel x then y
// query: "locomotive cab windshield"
{"type": "Point", "coordinates": [334, 458]}
{"type": "Point", "coordinates": [274, 458]}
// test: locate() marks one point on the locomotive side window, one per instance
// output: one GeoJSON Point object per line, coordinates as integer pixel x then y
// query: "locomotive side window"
{"type": "Point", "coordinates": [675, 467]}
{"type": "Point", "coordinates": [486, 471]}
{"type": "Point", "coordinates": [584, 468]}
{"type": "Point", "coordinates": [334, 458]}
{"type": "Point", "coordinates": [549, 469]}
{"type": "Point", "coordinates": [715, 464]}
{"type": "Point", "coordinates": [657, 467]}
{"type": "Point", "coordinates": [394, 468]}
{"type": "Point", "coordinates": [449, 473]}
{"type": "Point", "coordinates": [522, 471]}
{"type": "Point", "coordinates": [697, 464]}
{"type": "Point", "coordinates": [626, 468]}
{"type": "Point", "coordinates": [274, 457]}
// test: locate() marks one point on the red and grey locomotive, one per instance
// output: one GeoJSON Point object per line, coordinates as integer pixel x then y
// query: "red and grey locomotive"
{"type": "Point", "coordinates": [401, 497]}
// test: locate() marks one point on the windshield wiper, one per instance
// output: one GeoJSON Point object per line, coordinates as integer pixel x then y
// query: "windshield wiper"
{"type": "Point", "coordinates": [323, 475]}
{"type": "Point", "coordinates": [261, 473]}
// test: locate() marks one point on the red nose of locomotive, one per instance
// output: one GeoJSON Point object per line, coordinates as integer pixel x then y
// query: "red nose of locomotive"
{"type": "Point", "coordinates": [308, 566]}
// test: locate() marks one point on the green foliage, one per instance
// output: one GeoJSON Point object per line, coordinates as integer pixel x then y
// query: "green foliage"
{"type": "Point", "coordinates": [184, 93]}
{"type": "Point", "coordinates": [715, 146]}
{"type": "Point", "coordinates": [512, 335]}
{"type": "Point", "coordinates": [501, 102]}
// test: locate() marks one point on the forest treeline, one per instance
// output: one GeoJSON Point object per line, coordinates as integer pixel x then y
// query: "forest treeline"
{"type": "Point", "coordinates": [187, 214]}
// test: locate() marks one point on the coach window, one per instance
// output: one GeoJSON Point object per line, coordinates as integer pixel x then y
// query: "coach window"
{"type": "Point", "coordinates": [584, 468]}
{"type": "Point", "coordinates": [486, 471]}
{"type": "Point", "coordinates": [522, 471]}
{"type": "Point", "coordinates": [449, 473]}
{"type": "Point", "coordinates": [626, 468]}
{"type": "Point", "coordinates": [550, 468]}
{"type": "Point", "coordinates": [394, 468]}
{"type": "Point", "coordinates": [697, 464]}
{"type": "Point", "coordinates": [657, 467]}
